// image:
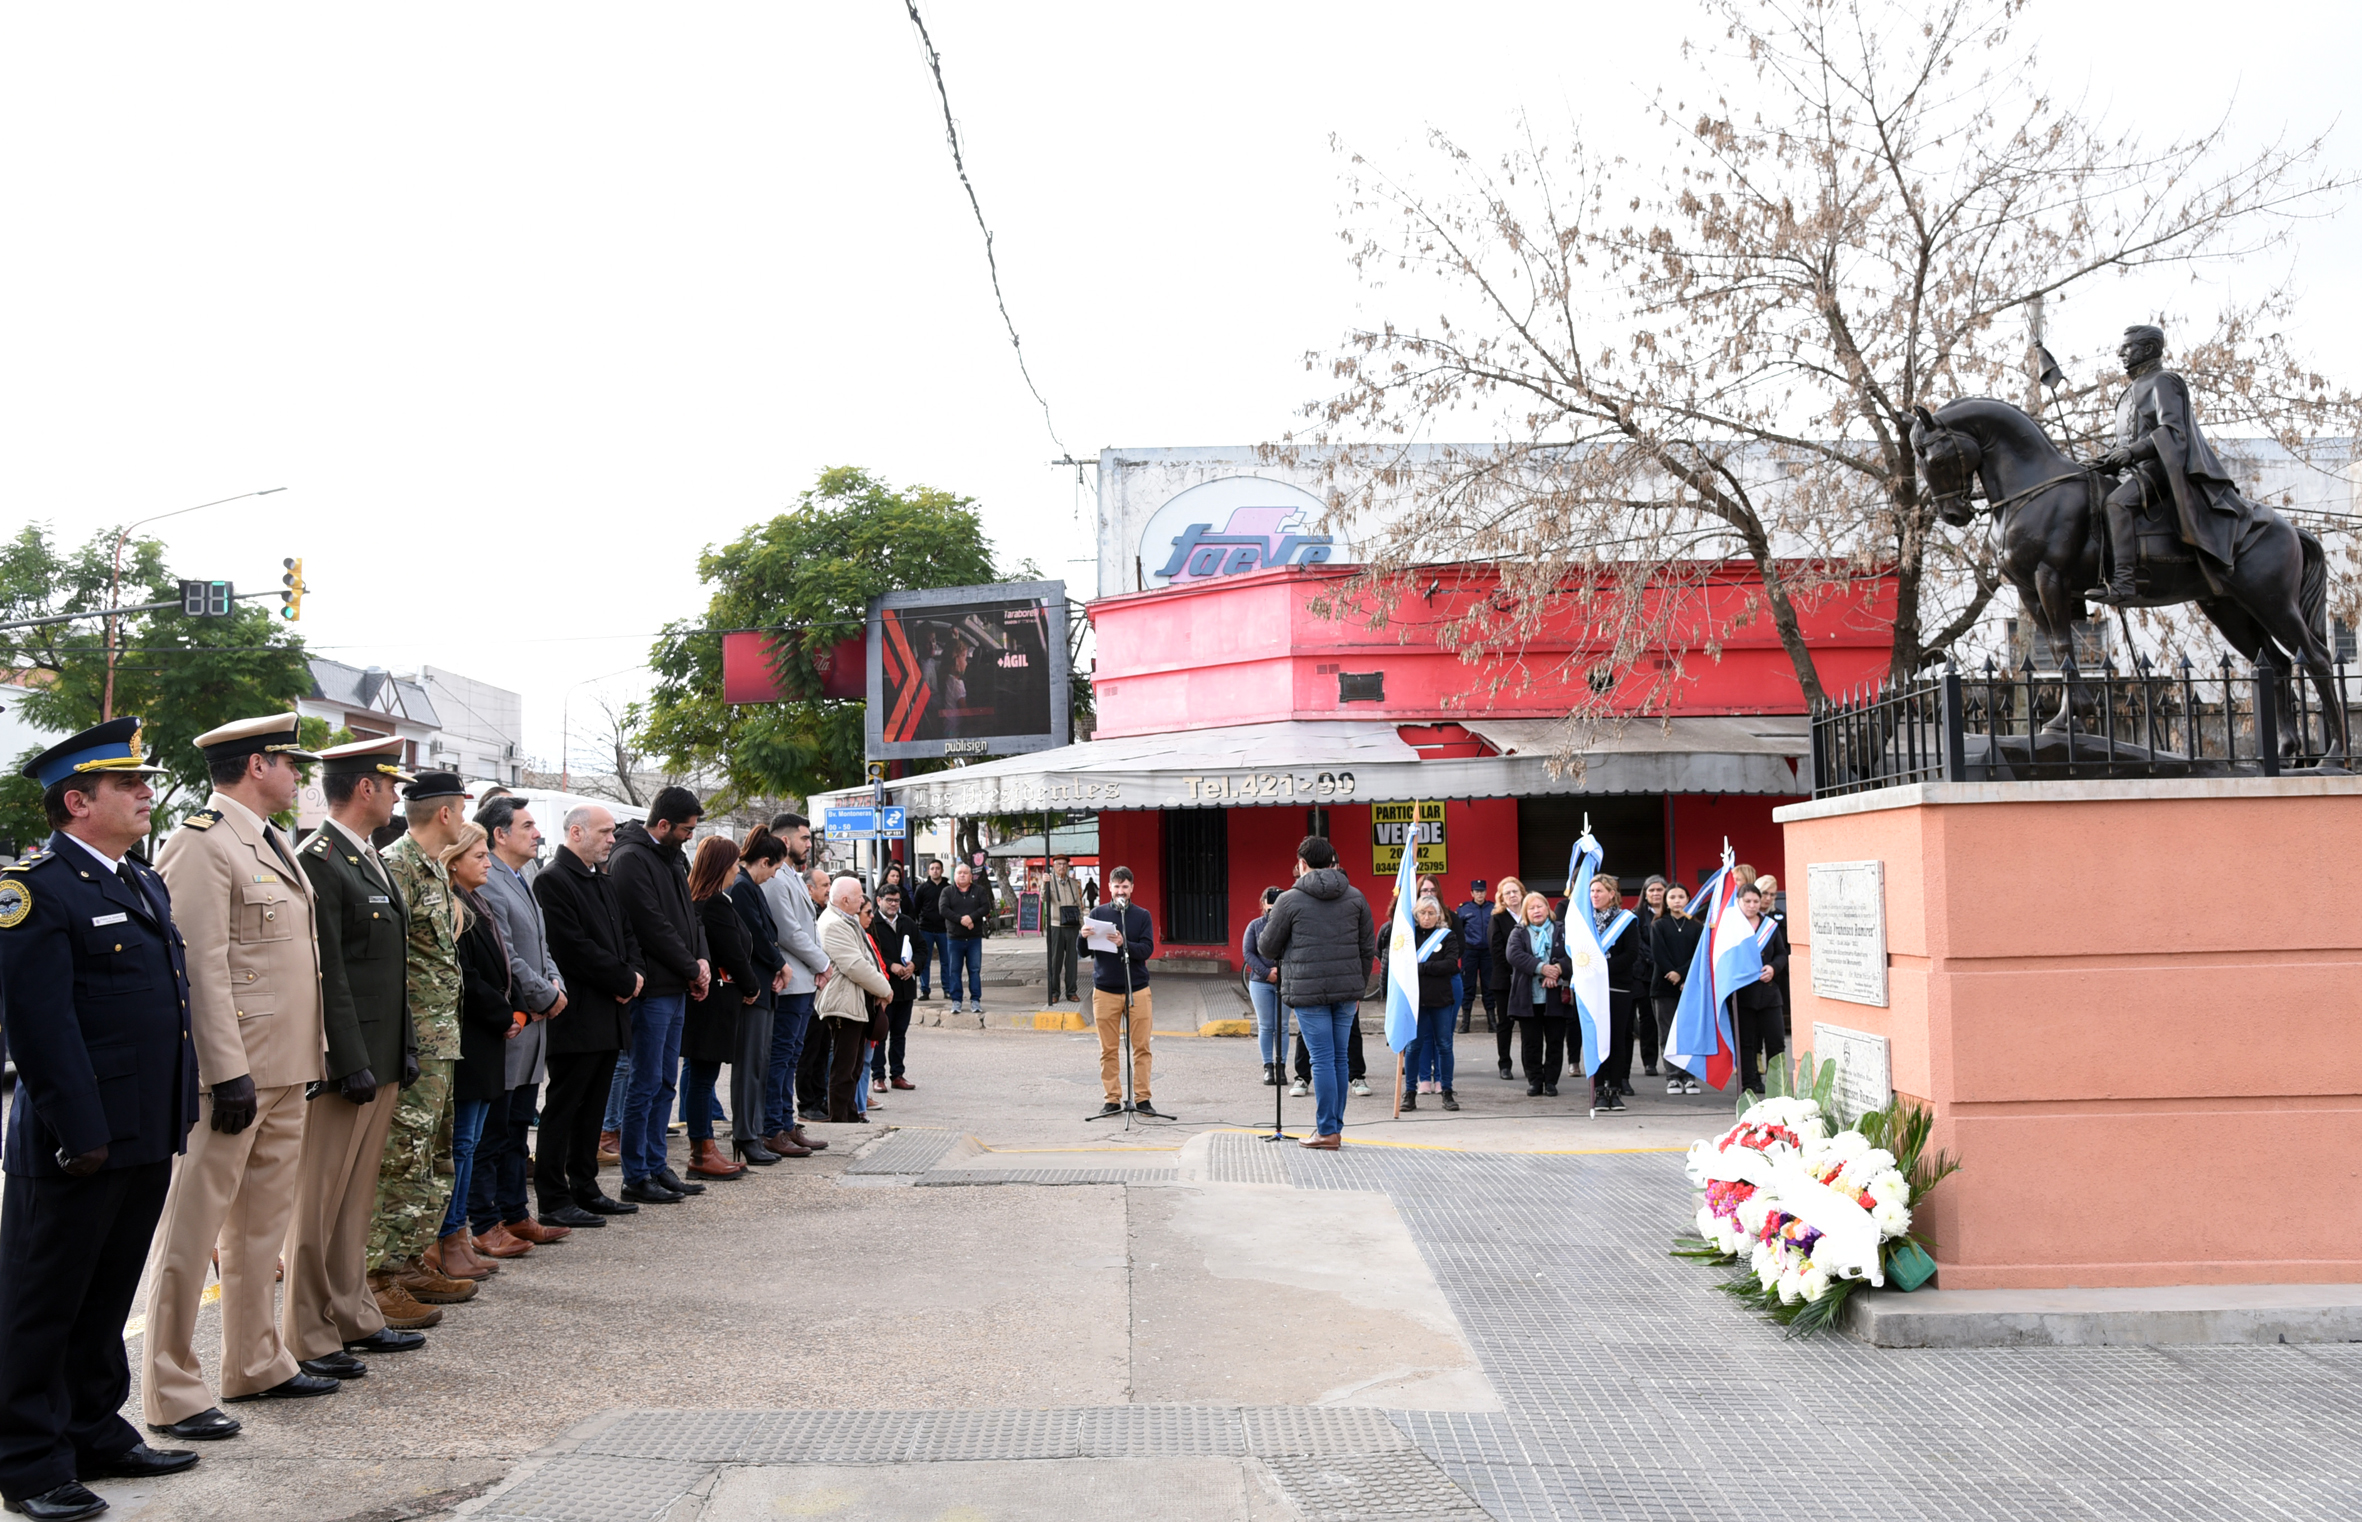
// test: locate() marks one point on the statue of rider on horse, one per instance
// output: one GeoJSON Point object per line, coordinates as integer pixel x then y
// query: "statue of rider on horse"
{"type": "Point", "coordinates": [2152, 522]}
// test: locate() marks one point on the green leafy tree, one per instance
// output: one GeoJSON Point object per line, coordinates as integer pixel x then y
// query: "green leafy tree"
{"type": "Point", "coordinates": [808, 574]}
{"type": "Point", "coordinates": [181, 675]}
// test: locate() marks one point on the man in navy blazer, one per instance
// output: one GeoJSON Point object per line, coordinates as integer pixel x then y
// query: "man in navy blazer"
{"type": "Point", "coordinates": [98, 1023]}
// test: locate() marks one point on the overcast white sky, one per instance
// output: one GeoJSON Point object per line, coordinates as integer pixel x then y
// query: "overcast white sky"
{"type": "Point", "coordinates": [525, 304]}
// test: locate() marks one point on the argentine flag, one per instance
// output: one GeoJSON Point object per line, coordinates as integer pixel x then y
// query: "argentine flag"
{"type": "Point", "coordinates": [1727, 956]}
{"type": "Point", "coordinates": [1402, 956]}
{"type": "Point", "coordinates": [1589, 953]}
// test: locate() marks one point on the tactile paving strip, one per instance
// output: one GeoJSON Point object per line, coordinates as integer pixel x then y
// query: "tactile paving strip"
{"type": "Point", "coordinates": [1289, 1431]}
{"type": "Point", "coordinates": [1364, 1487]}
{"type": "Point", "coordinates": [1232, 1158]}
{"type": "Point", "coordinates": [596, 1488]}
{"type": "Point", "coordinates": [913, 1149]}
{"type": "Point", "coordinates": [955, 1178]}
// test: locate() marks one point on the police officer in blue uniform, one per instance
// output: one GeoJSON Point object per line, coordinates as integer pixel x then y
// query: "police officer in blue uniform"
{"type": "Point", "coordinates": [97, 1021]}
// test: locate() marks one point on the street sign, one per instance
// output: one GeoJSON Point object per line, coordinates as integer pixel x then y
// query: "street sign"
{"type": "Point", "coordinates": [854, 824]}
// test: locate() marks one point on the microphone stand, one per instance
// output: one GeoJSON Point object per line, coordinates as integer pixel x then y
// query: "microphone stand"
{"type": "Point", "coordinates": [1279, 1090]}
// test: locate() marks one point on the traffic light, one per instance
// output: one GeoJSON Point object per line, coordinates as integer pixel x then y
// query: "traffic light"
{"type": "Point", "coordinates": [207, 599]}
{"type": "Point", "coordinates": [293, 596]}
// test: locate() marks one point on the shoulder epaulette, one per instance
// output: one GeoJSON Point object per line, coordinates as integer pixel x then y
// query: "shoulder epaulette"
{"type": "Point", "coordinates": [203, 819]}
{"type": "Point", "coordinates": [29, 861]}
{"type": "Point", "coordinates": [319, 844]}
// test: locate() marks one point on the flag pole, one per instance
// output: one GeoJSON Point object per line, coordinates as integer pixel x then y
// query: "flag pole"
{"type": "Point", "coordinates": [1398, 1085]}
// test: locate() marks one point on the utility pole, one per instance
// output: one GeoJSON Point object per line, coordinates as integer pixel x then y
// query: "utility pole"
{"type": "Point", "coordinates": [115, 609]}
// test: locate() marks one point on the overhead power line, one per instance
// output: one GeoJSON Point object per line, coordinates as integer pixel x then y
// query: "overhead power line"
{"type": "Point", "coordinates": [951, 133]}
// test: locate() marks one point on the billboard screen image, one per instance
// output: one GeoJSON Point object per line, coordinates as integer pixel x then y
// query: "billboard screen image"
{"type": "Point", "coordinates": [968, 671]}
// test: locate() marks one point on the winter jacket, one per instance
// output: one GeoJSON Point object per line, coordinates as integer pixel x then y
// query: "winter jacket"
{"type": "Point", "coordinates": [762, 931]}
{"type": "Point", "coordinates": [1250, 948]}
{"type": "Point", "coordinates": [485, 1008]}
{"type": "Point", "coordinates": [1672, 942]}
{"type": "Point", "coordinates": [923, 898]}
{"type": "Point", "coordinates": [652, 883]}
{"type": "Point", "coordinates": [889, 934]}
{"type": "Point", "coordinates": [1525, 972]}
{"type": "Point", "coordinates": [1496, 940]}
{"type": "Point", "coordinates": [975, 902]}
{"type": "Point", "coordinates": [709, 1031]}
{"type": "Point", "coordinates": [855, 976]}
{"type": "Point", "coordinates": [1761, 995]}
{"type": "Point", "coordinates": [1323, 938]}
{"type": "Point", "coordinates": [534, 978]}
{"type": "Point", "coordinates": [591, 941]}
{"type": "Point", "coordinates": [1107, 967]}
{"type": "Point", "coordinates": [1440, 968]}
{"type": "Point", "coordinates": [1473, 921]}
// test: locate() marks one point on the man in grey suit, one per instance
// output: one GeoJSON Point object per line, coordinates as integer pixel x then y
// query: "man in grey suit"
{"type": "Point", "coordinates": [500, 1207]}
{"type": "Point", "coordinates": [807, 969]}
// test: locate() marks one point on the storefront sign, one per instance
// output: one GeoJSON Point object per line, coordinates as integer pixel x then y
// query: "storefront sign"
{"type": "Point", "coordinates": [1396, 825]}
{"type": "Point", "coordinates": [1865, 1073]}
{"type": "Point", "coordinates": [1847, 910]}
{"type": "Point", "coordinates": [1232, 526]}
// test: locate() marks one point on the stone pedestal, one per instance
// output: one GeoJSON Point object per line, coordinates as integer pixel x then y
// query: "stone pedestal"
{"type": "Point", "coordinates": [2136, 1010]}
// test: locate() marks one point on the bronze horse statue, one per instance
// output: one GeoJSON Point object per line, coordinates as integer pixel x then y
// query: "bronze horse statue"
{"type": "Point", "coordinates": [2273, 602]}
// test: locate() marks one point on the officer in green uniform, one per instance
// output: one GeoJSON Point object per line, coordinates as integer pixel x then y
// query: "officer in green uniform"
{"type": "Point", "coordinates": [410, 1196]}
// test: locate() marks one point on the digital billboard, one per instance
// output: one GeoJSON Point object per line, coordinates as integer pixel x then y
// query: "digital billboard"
{"type": "Point", "coordinates": [968, 671]}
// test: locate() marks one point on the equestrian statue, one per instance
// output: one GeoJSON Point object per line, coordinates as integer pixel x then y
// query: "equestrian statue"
{"type": "Point", "coordinates": [2154, 521]}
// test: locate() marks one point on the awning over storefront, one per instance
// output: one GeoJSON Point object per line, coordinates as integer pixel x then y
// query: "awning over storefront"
{"type": "Point", "coordinates": [1342, 761]}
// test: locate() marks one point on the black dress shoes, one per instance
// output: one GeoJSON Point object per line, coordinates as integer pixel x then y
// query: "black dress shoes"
{"type": "Point", "coordinates": [296, 1388]}
{"type": "Point", "coordinates": [388, 1339]}
{"type": "Point", "coordinates": [651, 1192]}
{"type": "Point", "coordinates": [138, 1462]}
{"type": "Point", "coordinates": [337, 1365]}
{"type": "Point", "coordinates": [63, 1504]}
{"type": "Point", "coordinates": [1111, 1108]}
{"type": "Point", "coordinates": [606, 1205]}
{"type": "Point", "coordinates": [1143, 1107]}
{"type": "Point", "coordinates": [206, 1426]}
{"type": "Point", "coordinates": [573, 1216]}
{"type": "Point", "coordinates": [676, 1183]}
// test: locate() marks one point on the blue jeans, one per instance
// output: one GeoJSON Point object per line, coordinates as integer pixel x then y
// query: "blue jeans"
{"type": "Point", "coordinates": [1326, 1029]}
{"type": "Point", "coordinates": [656, 1052]}
{"type": "Point", "coordinates": [968, 954]}
{"type": "Point", "coordinates": [616, 1091]}
{"type": "Point", "coordinates": [1434, 1051]}
{"type": "Point", "coordinates": [931, 955]}
{"type": "Point", "coordinates": [791, 1017]}
{"type": "Point", "coordinates": [467, 1128]}
{"type": "Point", "coordinates": [503, 1161]}
{"type": "Point", "coordinates": [1270, 1030]}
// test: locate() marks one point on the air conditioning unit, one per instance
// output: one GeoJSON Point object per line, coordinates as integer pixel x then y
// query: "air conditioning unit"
{"type": "Point", "coordinates": [508, 753]}
{"type": "Point", "coordinates": [434, 747]}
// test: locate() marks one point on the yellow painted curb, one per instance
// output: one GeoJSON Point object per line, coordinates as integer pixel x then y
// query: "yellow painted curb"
{"type": "Point", "coordinates": [1227, 1028]}
{"type": "Point", "coordinates": [1372, 1141]}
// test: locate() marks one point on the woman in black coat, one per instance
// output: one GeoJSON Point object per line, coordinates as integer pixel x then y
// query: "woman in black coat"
{"type": "Point", "coordinates": [1540, 973]}
{"type": "Point", "coordinates": [1498, 926]}
{"type": "Point", "coordinates": [759, 856]}
{"type": "Point", "coordinates": [1430, 1059]}
{"type": "Point", "coordinates": [487, 1018]}
{"type": "Point", "coordinates": [1673, 941]}
{"type": "Point", "coordinates": [1756, 1008]}
{"type": "Point", "coordinates": [709, 1029]}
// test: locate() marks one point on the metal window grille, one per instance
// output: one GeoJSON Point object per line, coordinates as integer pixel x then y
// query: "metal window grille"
{"type": "Point", "coordinates": [1197, 876]}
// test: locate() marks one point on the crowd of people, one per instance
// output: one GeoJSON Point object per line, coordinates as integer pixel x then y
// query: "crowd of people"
{"type": "Point", "coordinates": [1511, 955]}
{"type": "Point", "coordinates": [326, 1061]}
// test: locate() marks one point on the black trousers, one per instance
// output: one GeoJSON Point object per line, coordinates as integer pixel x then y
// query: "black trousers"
{"type": "Point", "coordinates": [71, 1251]}
{"type": "Point", "coordinates": [1644, 1026]}
{"type": "Point", "coordinates": [1065, 950]}
{"type": "Point", "coordinates": [1496, 1008]}
{"type": "Point", "coordinates": [566, 1170]}
{"type": "Point", "coordinates": [812, 1071]}
{"type": "Point", "coordinates": [886, 1061]}
{"type": "Point", "coordinates": [846, 1038]}
{"type": "Point", "coordinates": [1542, 1043]}
{"type": "Point", "coordinates": [1618, 1066]}
{"type": "Point", "coordinates": [1354, 1067]}
{"type": "Point", "coordinates": [1666, 1009]}
{"type": "Point", "coordinates": [750, 1069]}
{"type": "Point", "coordinates": [504, 1161]}
{"type": "Point", "coordinates": [1758, 1032]}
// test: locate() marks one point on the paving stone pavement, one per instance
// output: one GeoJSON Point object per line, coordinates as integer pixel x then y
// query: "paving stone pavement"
{"type": "Point", "coordinates": [1631, 1387]}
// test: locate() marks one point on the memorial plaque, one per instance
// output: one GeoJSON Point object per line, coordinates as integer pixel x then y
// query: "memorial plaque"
{"type": "Point", "coordinates": [1865, 1075]}
{"type": "Point", "coordinates": [1848, 930]}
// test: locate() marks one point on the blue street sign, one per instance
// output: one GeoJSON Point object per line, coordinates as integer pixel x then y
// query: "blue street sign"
{"type": "Point", "coordinates": [843, 824]}
{"type": "Point", "coordinates": [890, 820]}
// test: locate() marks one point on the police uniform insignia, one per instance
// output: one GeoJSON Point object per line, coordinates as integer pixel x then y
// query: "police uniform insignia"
{"type": "Point", "coordinates": [16, 901]}
{"type": "Point", "coordinates": [320, 845]}
{"type": "Point", "coordinates": [203, 819]}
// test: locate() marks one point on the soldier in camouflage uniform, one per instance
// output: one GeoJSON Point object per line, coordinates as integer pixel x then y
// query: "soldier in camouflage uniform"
{"type": "Point", "coordinates": [410, 1198]}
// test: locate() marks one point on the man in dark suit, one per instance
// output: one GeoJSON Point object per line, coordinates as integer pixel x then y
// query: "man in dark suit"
{"type": "Point", "coordinates": [332, 1312]}
{"type": "Point", "coordinates": [98, 1023]}
{"type": "Point", "coordinates": [591, 941]}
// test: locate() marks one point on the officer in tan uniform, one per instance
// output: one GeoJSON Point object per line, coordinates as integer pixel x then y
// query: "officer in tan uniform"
{"type": "Point", "coordinates": [245, 908]}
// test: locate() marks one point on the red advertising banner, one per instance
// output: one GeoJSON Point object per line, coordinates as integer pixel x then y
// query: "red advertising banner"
{"type": "Point", "coordinates": [748, 677]}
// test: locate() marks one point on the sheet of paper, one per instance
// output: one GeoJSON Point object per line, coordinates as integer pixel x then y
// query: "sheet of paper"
{"type": "Point", "coordinates": [1101, 935]}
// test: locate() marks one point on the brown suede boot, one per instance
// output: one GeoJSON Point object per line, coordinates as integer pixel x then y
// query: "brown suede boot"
{"type": "Point", "coordinates": [450, 1258]}
{"type": "Point", "coordinates": [428, 1287]}
{"type": "Point", "coordinates": [539, 1235]}
{"type": "Point", "coordinates": [706, 1161]}
{"type": "Point", "coordinates": [499, 1242]}
{"type": "Point", "coordinates": [610, 1149]}
{"type": "Point", "coordinates": [400, 1308]}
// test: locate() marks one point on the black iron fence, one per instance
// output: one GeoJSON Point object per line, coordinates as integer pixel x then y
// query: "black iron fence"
{"type": "Point", "coordinates": [2002, 725]}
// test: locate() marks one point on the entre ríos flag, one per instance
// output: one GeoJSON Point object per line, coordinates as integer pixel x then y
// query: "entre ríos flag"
{"type": "Point", "coordinates": [1701, 1043]}
{"type": "Point", "coordinates": [1587, 946]}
